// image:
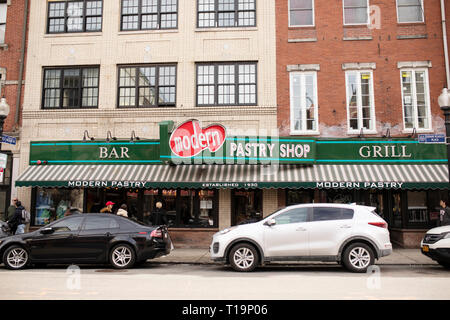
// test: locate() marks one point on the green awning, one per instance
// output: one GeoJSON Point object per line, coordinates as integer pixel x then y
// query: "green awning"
{"type": "Point", "coordinates": [346, 176]}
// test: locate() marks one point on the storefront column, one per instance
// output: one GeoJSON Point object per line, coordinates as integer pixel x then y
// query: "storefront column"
{"type": "Point", "coordinates": [224, 208]}
{"type": "Point", "coordinates": [270, 201]}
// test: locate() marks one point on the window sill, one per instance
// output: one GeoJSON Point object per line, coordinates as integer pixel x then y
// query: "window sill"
{"type": "Point", "coordinates": [365, 132]}
{"type": "Point", "coordinates": [304, 133]}
{"type": "Point", "coordinates": [73, 34]}
{"type": "Point", "coordinates": [357, 38]}
{"type": "Point", "coordinates": [229, 29]}
{"type": "Point", "coordinates": [409, 131]}
{"type": "Point", "coordinates": [4, 46]}
{"type": "Point", "coordinates": [405, 24]}
{"type": "Point", "coordinates": [139, 32]}
{"type": "Point", "coordinates": [301, 27]}
{"type": "Point", "coordinates": [415, 36]}
{"type": "Point", "coordinates": [302, 40]}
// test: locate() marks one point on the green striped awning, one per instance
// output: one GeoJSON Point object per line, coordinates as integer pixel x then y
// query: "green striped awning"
{"type": "Point", "coordinates": [348, 176]}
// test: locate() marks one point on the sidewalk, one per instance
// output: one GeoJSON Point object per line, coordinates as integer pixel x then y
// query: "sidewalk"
{"type": "Point", "coordinates": [201, 256]}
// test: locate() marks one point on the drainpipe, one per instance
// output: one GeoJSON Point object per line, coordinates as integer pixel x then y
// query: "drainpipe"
{"type": "Point", "coordinates": [444, 34]}
{"type": "Point", "coordinates": [22, 62]}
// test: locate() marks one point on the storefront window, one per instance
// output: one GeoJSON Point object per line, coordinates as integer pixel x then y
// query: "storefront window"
{"type": "Point", "coordinates": [340, 196]}
{"type": "Point", "coordinates": [184, 208]}
{"type": "Point", "coordinates": [397, 209]}
{"type": "Point", "coordinates": [417, 207]}
{"type": "Point", "coordinates": [376, 200]}
{"type": "Point", "coordinates": [299, 196]}
{"type": "Point", "coordinates": [247, 206]}
{"type": "Point", "coordinates": [53, 203]}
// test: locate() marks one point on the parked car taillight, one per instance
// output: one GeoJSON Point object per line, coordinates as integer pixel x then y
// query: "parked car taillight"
{"type": "Point", "coordinates": [379, 224]}
{"type": "Point", "coordinates": [157, 233]}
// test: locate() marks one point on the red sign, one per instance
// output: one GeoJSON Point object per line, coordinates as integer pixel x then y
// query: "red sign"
{"type": "Point", "coordinates": [189, 139]}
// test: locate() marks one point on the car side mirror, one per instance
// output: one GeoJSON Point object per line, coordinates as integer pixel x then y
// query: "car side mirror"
{"type": "Point", "coordinates": [47, 230]}
{"type": "Point", "coordinates": [270, 222]}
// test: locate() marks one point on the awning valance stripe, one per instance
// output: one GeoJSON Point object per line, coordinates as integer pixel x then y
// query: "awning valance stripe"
{"type": "Point", "coordinates": [282, 176]}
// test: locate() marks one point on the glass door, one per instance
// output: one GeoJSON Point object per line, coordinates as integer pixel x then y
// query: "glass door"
{"type": "Point", "coordinates": [247, 206]}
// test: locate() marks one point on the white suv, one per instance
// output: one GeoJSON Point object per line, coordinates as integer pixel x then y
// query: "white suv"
{"type": "Point", "coordinates": [349, 234]}
{"type": "Point", "coordinates": [436, 245]}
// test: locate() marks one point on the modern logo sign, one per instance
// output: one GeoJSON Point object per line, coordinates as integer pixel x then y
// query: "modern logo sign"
{"type": "Point", "coordinates": [189, 139]}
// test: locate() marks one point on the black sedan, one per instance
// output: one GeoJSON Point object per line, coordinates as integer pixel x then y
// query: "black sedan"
{"type": "Point", "coordinates": [87, 238]}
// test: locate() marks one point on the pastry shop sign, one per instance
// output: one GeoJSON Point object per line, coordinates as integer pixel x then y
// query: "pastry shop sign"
{"type": "Point", "coordinates": [189, 139]}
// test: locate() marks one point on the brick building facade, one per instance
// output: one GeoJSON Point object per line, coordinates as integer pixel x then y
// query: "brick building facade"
{"type": "Point", "coordinates": [12, 61]}
{"type": "Point", "coordinates": [341, 69]}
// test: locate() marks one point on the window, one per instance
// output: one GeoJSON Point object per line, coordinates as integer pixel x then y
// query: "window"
{"type": "Point", "coordinates": [328, 213]}
{"type": "Point", "coordinates": [147, 86]}
{"type": "Point", "coordinates": [293, 216]}
{"type": "Point", "coordinates": [226, 84]}
{"type": "Point", "coordinates": [52, 203]}
{"type": "Point", "coordinates": [226, 13]}
{"type": "Point", "coordinates": [417, 206]}
{"type": "Point", "coordinates": [71, 88]}
{"type": "Point", "coordinates": [304, 112]}
{"type": "Point", "coordinates": [3, 9]}
{"type": "Point", "coordinates": [67, 225]}
{"type": "Point", "coordinates": [93, 223]}
{"type": "Point", "coordinates": [415, 98]}
{"type": "Point", "coordinates": [356, 12]}
{"type": "Point", "coordinates": [74, 16]}
{"type": "Point", "coordinates": [184, 208]}
{"type": "Point", "coordinates": [410, 11]}
{"type": "Point", "coordinates": [149, 14]}
{"type": "Point", "coordinates": [360, 101]}
{"type": "Point", "coordinates": [301, 13]}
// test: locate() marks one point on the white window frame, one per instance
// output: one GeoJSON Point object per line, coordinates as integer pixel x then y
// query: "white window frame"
{"type": "Point", "coordinates": [356, 24]}
{"type": "Point", "coordinates": [414, 100]}
{"type": "Point", "coordinates": [423, 14]}
{"type": "Point", "coordinates": [3, 36]}
{"type": "Point", "coordinates": [302, 106]}
{"type": "Point", "coordinates": [302, 25]}
{"type": "Point", "coordinates": [373, 122]}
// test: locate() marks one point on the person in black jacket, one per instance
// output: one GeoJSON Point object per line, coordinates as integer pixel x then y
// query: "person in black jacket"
{"type": "Point", "coordinates": [16, 223]}
{"type": "Point", "coordinates": [159, 216]}
{"type": "Point", "coordinates": [444, 217]}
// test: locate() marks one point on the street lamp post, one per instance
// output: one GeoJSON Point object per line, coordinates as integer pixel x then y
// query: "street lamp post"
{"type": "Point", "coordinates": [444, 104]}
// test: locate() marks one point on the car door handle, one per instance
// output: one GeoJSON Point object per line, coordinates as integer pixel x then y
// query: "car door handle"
{"type": "Point", "coordinates": [300, 229]}
{"type": "Point", "coordinates": [345, 226]}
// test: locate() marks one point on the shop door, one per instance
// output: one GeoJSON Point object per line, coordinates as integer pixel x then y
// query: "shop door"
{"type": "Point", "coordinates": [247, 206]}
{"type": "Point", "coordinates": [4, 204]}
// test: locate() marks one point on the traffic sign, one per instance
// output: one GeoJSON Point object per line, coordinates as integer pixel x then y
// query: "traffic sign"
{"type": "Point", "coordinates": [9, 140]}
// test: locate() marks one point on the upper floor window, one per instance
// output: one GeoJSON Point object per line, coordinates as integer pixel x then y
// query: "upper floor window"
{"type": "Point", "coordinates": [149, 14]}
{"type": "Point", "coordinates": [356, 12]}
{"type": "Point", "coordinates": [226, 13]}
{"type": "Point", "coordinates": [415, 98]}
{"type": "Point", "coordinates": [147, 86]}
{"type": "Point", "coordinates": [304, 111]}
{"type": "Point", "coordinates": [74, 16]}
{"type": "Point", "coordinates": [410, 11]}
{"type": "Point", "coordinates": [3, 9]}
{"type": "Point", "coordinates": [70, 88]}
{"type": "Point", "coordinates": [360, 101]}
{"type": "Point", "coordinates": [226, 83]}
{"type": "Point", "coordinates": [301, 13]}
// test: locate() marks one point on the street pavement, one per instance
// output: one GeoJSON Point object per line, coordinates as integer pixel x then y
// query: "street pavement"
{"type": "Point", "coordinates": [169, 281]}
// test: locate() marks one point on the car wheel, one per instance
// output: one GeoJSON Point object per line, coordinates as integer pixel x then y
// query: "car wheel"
{"type": "Point", "coordinates": [122, 256]}
{"type": "Point", "coordinates": [243, 258]}
{"type": "Point", "coordinates": [358, 257]}
{"type": "Point", "coordinates": [445, 264]}
{"type": "Point", "coordinates": [15, 258]}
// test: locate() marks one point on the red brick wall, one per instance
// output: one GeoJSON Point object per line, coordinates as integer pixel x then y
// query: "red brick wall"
{"type": "Point", "coordinates": [10, 56]}
{"type": "Point", "coordinates": [385, 49]}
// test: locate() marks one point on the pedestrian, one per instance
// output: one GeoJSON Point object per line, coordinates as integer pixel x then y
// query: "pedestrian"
{"type": "Point", "coordinates": [17, 223]}
{"type": "Point", "coordinates": [11, 210]}
{"type": "Point", "coordinates": [123, 211]}
{"type": "Point", "coordinates": [444, 217]}
{"type": "Point", "coordinates": [108, 208]}
{"type": "Point", "coordinates": [159, 216]}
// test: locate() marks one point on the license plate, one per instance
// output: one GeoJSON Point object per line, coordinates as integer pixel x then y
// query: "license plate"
{"type": "Point", "coordinates": [425, 248]}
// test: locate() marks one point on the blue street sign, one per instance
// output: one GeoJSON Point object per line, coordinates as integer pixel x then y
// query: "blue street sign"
{"type": "Point", "coordinates": [9, 140]}
{"type": "Point", "coordinates": [431, 138]}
